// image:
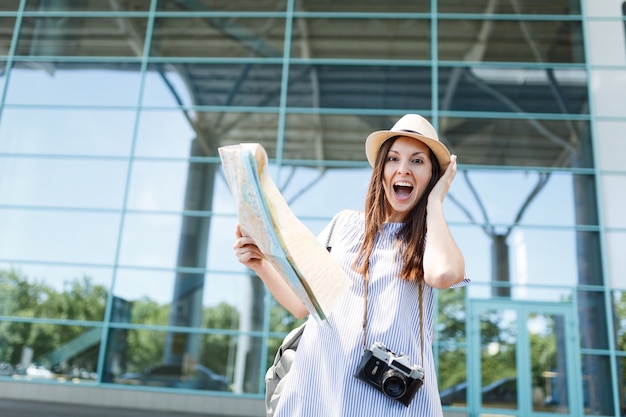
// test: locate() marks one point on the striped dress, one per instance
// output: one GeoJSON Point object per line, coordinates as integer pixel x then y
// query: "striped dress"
{"type": "Point", "coordinates": [321, 382]}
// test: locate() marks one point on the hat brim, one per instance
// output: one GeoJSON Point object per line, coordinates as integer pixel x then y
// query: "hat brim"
{"type": "Point", "coordinates": [375, 140]}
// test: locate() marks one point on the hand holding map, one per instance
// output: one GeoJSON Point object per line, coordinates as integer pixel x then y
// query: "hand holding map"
{"type": "Point", "coordinates": [290, 246]}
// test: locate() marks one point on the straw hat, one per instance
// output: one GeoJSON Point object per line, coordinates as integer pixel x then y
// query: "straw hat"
{"type": "Point", "coordinates": [413, 126]}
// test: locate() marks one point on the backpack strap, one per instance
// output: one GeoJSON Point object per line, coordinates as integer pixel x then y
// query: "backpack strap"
{"type": "Point", "coordinates": [339, 220]}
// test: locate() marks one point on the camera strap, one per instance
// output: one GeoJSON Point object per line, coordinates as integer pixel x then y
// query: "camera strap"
{"type": "Point", "coordinates": [420, 291]}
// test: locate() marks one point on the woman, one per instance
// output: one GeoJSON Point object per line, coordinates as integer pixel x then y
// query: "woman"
{"type": "Point", "coordinates": [394, 267]}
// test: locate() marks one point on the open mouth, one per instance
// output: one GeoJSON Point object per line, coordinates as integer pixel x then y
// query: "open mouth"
{"type": "Point", "coordinates": [402, 189]}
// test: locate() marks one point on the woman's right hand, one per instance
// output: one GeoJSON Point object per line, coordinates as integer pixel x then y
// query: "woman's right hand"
{"type": "Point", "coordinates": [246, 250]}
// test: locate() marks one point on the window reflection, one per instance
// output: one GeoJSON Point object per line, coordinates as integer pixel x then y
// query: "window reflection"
{"type": "Point", "coordinates": [89, 5]}
{"type": "Point", "coordinates": [63, 183]}
{"type": "Point", "coordinates": [24, 294]}
{"type": "Point", "coordinates": [546, 90]}
{"type": "Point", "coordinates": [66, 131]}
{"type": "Point", "coordinates": [73, 84]}
{"type": "Point", "coordinates": [5, 36]}
{"type": "Point", "coordinates": [213, 362]}
{"type": "Point", "coordinates": [619, 310]}
{"type": "Point", "coordinates": [233, 84]}
{"type": "Point", "coordinates": [550, 391]}
{"type": "Point", "coordinates": [208, 36]}
{"type": "Point", "coordinates": [526, 7]}
{"type": "Point", "coordinates": [58, 236]}
{"type": "Point", "coordinates": [355, 86]}
{"type": "Point", "coordinates": [511, 40]}
{"type": "Point", "coordinates": [518, 142]}
{"type": "Point", "coordinates": [217, 301]}
{"type": "Point", "coordinates": [220, 5]}
{"type": "Point", "coordinates": [372, 38]}
{"type": "Point", "coordinates": [452, 376]}
{"type": "Point", "coordinates": [81, 36]}
{"type": "Point", "coordinates": [61, 353]}
{"type": "Point", "coordinates": [498, 337]}
{"type": "Point", "coordinates": [597, 387]}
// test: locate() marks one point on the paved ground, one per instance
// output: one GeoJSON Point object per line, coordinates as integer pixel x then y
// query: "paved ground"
{"type": "Point", "coordinates": [14, 408]}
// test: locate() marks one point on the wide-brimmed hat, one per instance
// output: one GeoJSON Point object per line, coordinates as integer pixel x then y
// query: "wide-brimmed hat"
{"type": "Point", "coordinates": [413, 126]}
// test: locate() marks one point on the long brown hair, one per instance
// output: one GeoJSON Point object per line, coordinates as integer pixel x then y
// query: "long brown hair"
{"type": "Point", "coordinates": [411, 236]}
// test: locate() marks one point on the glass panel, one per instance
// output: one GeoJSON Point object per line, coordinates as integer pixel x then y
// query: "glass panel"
{"type": "Point", "coordinates": [608, 88]}
{"type": "Point", "coordinates": [369, 87]}
{"type": "Point", "coordinates": [256, 85]}
{"type": "Point", "coordinates": [9, 5]}
{"type": "Point", "coordinates": [159, 186]}
{"type": "Point", "coordinates": [221, 5]}
{"type": "Point", "coordinates": [597, 384]}
{"type": "Point", "coordinates": [39, 351]}
{"type": "Point", "coordinates": [55, 278]}
{"type": "Point", "coordinates": [6, 33]}
{"type": "Point", "coordinates": [613, 197]}
{"type": "Point", "coordinates": [3, 69]}
{"type": "Point", "coordinates": [452, 376]}
{"type": "Point", "coordinates": [305, 189]}
{"type": "Point", "coordinates": [62, 182]}
{"type": "Point", "coordinates": [549, 371]}
{"type": "Point", "coordinates": [81, 36]}
{"type": "Point", "coordinates": [492, 89]}
{"type": "Point", "coordinates": [213, 362]}
{"type": "Point", "coordinates": [150, 240]}
{"type": "Point", "coordinates": [67, 131]}
{"type": "Point", "coordinates": [616, 262]}
{"type": "Point", "coordinates": [611, 147]}
{"type": "Point", "coordinates": [621, 370]}
{"type": "Point", "coordinates": [218, 37]}
{"type": "Point", "coordinates": [592, 318]}
{"type": "Point", "coordinates": [451, 322]}
{"type": "Point", "coordinates": [88, 5]}
{"type": "Point", "coordinates": [165, 134]}
{"type": "Point", "coordinates": [168, 134]}
{"type": "Point", "coordinates": [215, 300]}
{"type": "Point", "coordinates": [387, 6]}
{"type": "Point", "coordinates": [36, 296]}
{"type": "Point", "coordinates": [619, 314]}
{"type": "Point", "coordinates": [521, 292]}
{"type": "Point", "coordinates": [58, 236]}
{"type": "Point", "coordinates": [498, 335]}
{"type": "Point", "coordinates": [361, 38]}
{"type": "Point", "coordinates": [165, 86]}
{"type": "Point", "coordinates": [511, 40]}
{"type": "Point", "coordinates": [73, 84]}
{"type": "Point", "coordinates": [523, 7]}
{"type": "Point", "coordinates": [513, 142]}
{"type": "Point", "coordinates": [528, 257]}
{"type": "Point", "coordinates": [503, 198]}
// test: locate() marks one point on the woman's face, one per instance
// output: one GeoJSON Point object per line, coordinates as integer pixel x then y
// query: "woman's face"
{"type": "Point", "coordinates": [406, 173]}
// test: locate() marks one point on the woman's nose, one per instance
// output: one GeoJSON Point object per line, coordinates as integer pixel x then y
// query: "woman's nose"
{"type": "Point", "coordinates": [403, 167]}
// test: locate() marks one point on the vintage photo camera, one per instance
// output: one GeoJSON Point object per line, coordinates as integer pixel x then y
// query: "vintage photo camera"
{"type": "Point", "coordinates": [391, 374]}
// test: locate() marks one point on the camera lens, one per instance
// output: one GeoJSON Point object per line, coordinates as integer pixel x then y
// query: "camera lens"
{"type": "Point", "coordinates": [393, 384]}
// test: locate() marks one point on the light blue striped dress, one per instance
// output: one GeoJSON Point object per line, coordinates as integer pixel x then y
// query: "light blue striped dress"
{"type": "Point", "coordinates": [321, 381]}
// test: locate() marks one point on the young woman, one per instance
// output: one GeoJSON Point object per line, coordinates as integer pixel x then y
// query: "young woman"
{"type": "Point", "coordinates": [395, 253]}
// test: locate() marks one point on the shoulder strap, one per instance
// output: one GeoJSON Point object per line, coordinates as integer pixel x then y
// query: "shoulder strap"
{"type": "Point", "coordinates": [339, 220]}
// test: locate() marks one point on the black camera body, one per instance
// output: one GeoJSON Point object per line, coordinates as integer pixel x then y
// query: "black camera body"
{"type": "Point", "coordinates": [391, 374]}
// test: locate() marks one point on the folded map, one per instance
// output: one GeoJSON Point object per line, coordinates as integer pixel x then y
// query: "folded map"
{"type": "Point", "coordinates": [287, 243]}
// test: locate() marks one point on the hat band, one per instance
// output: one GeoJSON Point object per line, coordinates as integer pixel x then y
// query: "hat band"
{"type": "Point", "coordinates": [411, 131]}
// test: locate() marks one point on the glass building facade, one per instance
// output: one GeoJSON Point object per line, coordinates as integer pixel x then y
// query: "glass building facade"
{"type": "Point", "coordinates": [117, 273]}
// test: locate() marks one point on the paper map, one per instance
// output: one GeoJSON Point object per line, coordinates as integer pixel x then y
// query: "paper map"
{"type": "Point", "coordinates": [287, 243]}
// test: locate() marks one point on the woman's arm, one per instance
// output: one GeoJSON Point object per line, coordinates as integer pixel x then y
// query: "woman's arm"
{"type": "Point", "coordinates": [249, 254]}
{"type": "Point", "coordinates": [444, 265]}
